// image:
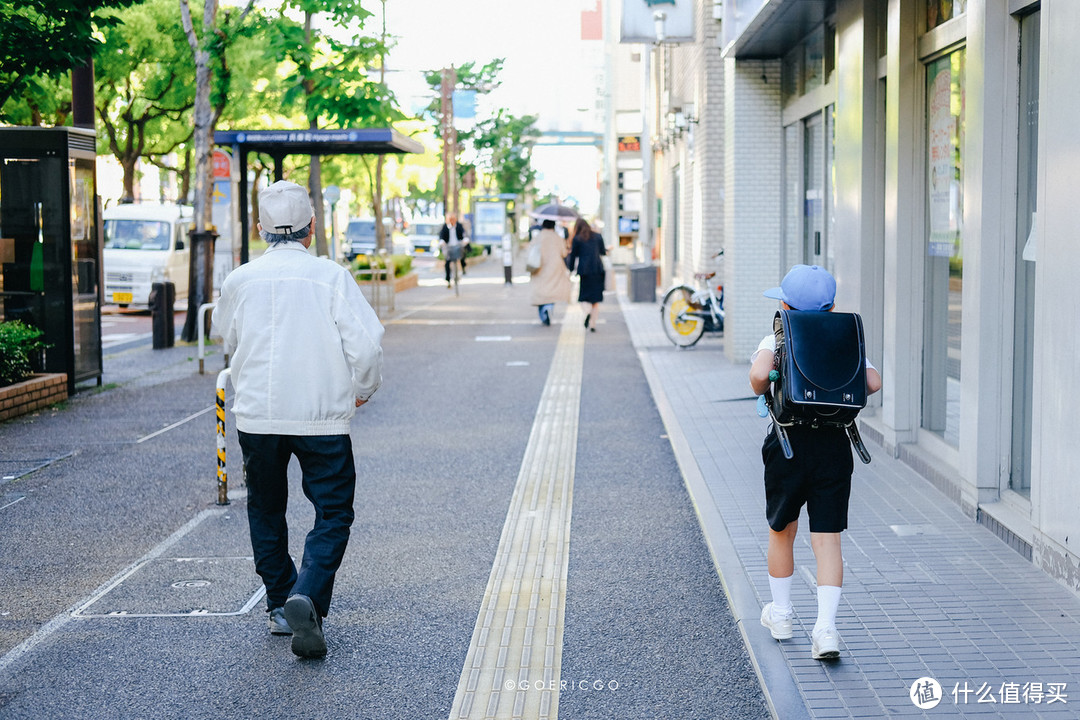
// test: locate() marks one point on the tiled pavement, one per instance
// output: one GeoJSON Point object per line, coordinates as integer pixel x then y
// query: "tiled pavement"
{"type": "Point", "coordinates": [927, 592]}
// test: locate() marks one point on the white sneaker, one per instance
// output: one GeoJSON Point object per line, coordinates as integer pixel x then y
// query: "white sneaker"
{"type": "Point", "coordinates": [779, 624]}
{"type": "Point", "coordinates": [826, 644]}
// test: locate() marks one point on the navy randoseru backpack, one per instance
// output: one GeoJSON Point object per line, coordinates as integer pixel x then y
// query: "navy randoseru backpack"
{"type": "Point", "coordinates": [821, 367]}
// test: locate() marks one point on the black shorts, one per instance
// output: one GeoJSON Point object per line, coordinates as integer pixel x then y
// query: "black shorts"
{"type": "Point", "coordinates": [818, 476]}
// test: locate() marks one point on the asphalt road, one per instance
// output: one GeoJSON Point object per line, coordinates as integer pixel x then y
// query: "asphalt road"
{"type": "Point", "coordinates": [115, 540]}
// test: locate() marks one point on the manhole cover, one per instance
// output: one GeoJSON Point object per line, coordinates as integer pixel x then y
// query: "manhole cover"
{"type": "Point", "coordinates": [170, 587]}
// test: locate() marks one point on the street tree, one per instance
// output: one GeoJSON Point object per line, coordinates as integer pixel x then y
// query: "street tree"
{"type": "Point", "coordinates": [208, 45]}
{"type": "Point", "coordinates": [504, 143]}
{"type": "Point", "coordinates": [43, 100]}
{"type": "Point", "coordinates": [480, 79]}
{"type": "Point", "coordinates": [142, 94]}
{"type": "Point", "coordinates": [327, 75]}
{"type": "Point", "coordinates": [46, 38]}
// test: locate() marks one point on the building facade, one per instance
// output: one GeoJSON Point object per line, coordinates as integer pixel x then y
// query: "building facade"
{"type": "Point", "coordinates": [923, 151]}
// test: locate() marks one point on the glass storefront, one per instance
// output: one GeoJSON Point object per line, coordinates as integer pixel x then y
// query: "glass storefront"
{"type": "Point", "coordinates": [1024, 297]}
{"type": "Point", "coordinates": [938, 11]}
{"type": "Point", "coordinates": [944, 256]}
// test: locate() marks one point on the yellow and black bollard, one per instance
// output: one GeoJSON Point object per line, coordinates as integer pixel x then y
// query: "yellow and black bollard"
{"type": "Point", "coordinates": [222, 475]}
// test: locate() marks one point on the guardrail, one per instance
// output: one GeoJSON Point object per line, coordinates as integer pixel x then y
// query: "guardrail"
{"type": "Point", "coordinates": [382, 280]}
{"type": "Point", "coordinates": [202, 336]}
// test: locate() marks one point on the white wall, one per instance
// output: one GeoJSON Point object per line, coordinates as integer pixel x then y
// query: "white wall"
{"type": "Point", "coordinates": [752, 201]}
{"type": "Point", "coordinates": [1056, 462]}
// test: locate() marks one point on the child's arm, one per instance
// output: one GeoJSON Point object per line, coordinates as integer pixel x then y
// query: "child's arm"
{"type": "Point", "coordinates": [759, 371]}
{"type": "Point", "coordinates": [873, 380]}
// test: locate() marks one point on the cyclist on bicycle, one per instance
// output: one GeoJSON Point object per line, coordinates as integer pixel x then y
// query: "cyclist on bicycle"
{"type": "Point", "coordinates": [453, 244]}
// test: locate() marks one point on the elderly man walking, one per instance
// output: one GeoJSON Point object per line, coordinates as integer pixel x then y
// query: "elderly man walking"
{"type": "Point", "coordinates": [305, 348]}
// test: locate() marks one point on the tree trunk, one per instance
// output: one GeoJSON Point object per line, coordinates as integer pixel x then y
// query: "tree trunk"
{"type": "Point", "coordinates": [376, 194]}
{"type": "Point", "coordinates": [128, 166]}
{"type": "Point", "coordinates": [201, 281]}
{"type": "Point", "coordinates": [255, 204]}
{"type": "Point", "coordinates": [185, 177]}
{"type": "Point", "coordinates": [315, 165]}
{"type": "Point", "coordinates": [376, 200]}
{"type": "Point", "coordinates": [315, 187]}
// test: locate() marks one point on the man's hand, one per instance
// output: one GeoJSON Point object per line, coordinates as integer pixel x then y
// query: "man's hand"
{"type": "Point", "coordinates": [360, 402]}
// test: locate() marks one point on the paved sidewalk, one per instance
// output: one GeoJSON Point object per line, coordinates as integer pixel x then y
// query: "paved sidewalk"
{"type": "Point", "coordinates": [927, 592]}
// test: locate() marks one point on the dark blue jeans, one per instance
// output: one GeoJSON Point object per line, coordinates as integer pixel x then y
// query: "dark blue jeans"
{"type": "Point", "coordinates": [329, 482]}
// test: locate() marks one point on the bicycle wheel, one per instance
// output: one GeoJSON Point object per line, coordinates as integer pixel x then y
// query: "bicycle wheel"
{"type": "Point", "coordinates": [682, 329]}
{"type": "Point", "coordinates": [457, 272]}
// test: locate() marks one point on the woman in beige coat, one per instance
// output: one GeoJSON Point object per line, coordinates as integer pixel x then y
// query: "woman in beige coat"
{"type": "Point", "coordinates": [551, 283]}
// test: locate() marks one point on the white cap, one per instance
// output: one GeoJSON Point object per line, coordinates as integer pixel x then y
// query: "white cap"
{"type": "Point", "coordinates": [284, 207]}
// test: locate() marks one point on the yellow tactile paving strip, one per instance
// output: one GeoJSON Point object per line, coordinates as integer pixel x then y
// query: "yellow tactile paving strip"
{"type": "Point", "coordinates": [512, 667]}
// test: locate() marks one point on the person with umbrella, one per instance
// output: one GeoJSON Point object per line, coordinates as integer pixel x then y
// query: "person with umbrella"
{"type": "Point", "coordinates": [550, 282]}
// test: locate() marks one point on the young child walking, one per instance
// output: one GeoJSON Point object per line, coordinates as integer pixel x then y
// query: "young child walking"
{"type": "Point", "coordinates": [818, 476]}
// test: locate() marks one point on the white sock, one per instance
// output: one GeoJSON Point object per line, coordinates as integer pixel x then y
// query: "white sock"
{"type": "Point", "coordinates": [828, 602]}
{"type": "Point", "coordinates": [781, 593]}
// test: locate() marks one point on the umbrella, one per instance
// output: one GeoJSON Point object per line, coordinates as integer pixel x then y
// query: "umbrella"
{"type": "Point", "coordinates": [554, 211]}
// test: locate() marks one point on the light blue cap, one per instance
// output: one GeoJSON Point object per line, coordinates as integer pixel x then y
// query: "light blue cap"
{"type": "Point", "coordinates": [806, 287]}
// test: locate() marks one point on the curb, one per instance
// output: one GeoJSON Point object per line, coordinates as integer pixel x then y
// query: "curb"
{"type": "Point", "coordinates": [782, 694]}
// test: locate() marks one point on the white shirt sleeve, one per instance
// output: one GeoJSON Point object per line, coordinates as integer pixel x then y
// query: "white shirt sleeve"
{"type": "Point", "coordinates": [767, 343]}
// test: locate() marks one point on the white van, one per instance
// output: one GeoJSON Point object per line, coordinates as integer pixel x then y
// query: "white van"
{"type": "Point", "coordinates": [145, 244]}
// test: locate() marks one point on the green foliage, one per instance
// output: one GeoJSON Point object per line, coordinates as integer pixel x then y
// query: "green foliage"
{"type": "Point", "coordinates": [42, 101]}
{"type": "Point", "coordinates": [47, 38]}
{"type": "Point", "coordinates": [402, 265]}
{"type": "Point", "coordinates": [469, 77]}
{"type": "Point", "coordinates": [143, 91]}
{"type": "Point", "coordinates": [18, 343]}
{"type": "Point", "coordinates": [329, 81]}
{"type": "Point", "coordinates": [504, 143]}
{"type": "Point", "coordinates": [956, 266]}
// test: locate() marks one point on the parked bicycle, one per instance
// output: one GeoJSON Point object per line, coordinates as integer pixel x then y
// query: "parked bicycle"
{"type": "Point", "coordinates": [687, 314]}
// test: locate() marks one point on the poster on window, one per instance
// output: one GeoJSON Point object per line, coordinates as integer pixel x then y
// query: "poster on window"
{"type": "Point", "coordinates": [943, 160]}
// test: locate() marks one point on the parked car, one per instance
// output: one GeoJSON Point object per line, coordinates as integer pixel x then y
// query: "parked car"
{"type": "Point", "coordinates": [424, 236]}
{"type": "Point", "coordinates": [360, 239]}
{"type": "Point", "coordinates": [145, 244]}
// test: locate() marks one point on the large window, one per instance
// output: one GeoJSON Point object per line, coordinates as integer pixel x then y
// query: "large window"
{"type": "Point", "coordinates": [1024, 298]}
{"type": "Point", "coordinates": [938, 11]}
{"type": "Point", "coordinates": [944, 256]}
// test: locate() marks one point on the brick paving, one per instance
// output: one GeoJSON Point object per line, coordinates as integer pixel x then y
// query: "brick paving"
{"type": "Point", "coordinates": [927, 591]}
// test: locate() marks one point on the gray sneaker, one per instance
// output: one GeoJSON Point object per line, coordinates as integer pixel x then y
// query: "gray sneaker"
{"type": "Point", "coordinates": [825, 644]}
{"type": "Point", "coordinates": [307, 634]}
{"type": "Point", "coordinates": [277, 622]}
{"type": "Point", "coordinates": [779, 624]}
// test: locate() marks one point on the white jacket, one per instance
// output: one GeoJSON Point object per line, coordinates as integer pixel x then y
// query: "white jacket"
{"type": "Point", "coordinates": [304, 343]}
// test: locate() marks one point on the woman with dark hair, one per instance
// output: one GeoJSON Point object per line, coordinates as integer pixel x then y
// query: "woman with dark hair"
{"type": "Point", "coordinates": [585, 251]}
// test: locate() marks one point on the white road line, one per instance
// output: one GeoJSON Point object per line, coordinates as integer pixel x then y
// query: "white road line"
{"type": "Point", "coordinates": [175, 425]}
{"type": "Point", "coordinates": [513, 664]}
{"type": "Point", "coordinates": [115, 339]}
{"type": "Point", "coordinates": [67, 616]}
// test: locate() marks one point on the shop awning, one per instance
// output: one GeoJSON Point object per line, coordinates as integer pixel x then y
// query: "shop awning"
{"type": "Point", "coordinates": [279, 144]}
{"type": "Point", "coordinates": [353, 141]}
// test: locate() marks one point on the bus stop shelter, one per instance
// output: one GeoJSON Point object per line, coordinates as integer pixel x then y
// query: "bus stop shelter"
{"type": "Point", "coordinates": [280, 143]}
